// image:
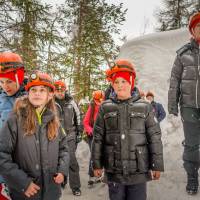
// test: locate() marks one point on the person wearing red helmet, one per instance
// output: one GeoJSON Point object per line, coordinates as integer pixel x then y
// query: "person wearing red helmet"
{"type": "Point", "coordinates": [120, 64]}
{"type": "Point", "coordinates": [184, 93]}
{"type": "Point", "coordinates": [11, 72]}
{"type": "Point", "coordinates": [88, 123]}
{"type": "Point", "coordinates": [126, 139]}
{"type": "Point", "coordinates": [70, 119]}
{"type": "Point", "coordinates": [11, 84]}
{"type": "Point", "coordinates": [34, 155]}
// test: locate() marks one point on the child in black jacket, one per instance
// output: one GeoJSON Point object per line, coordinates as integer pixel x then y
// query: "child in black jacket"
{"type": "Point", "coordinates": [127, 139]}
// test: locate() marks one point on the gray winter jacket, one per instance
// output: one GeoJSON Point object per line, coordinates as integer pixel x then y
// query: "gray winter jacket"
{"type": "Point", "coordinates": [32, 158]}
{"type": "Point", "coordinates": [127, 141]}
{"type": "Point", "coordinates": [185, 79]}
{"type": "Point", "coordinates": [70, 116]}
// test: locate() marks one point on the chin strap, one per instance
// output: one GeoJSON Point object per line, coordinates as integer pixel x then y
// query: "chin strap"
{"type": "Point", "coordinates": [17, 80]}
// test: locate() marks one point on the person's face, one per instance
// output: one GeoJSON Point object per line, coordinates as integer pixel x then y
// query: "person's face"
{"type": "Point", "coordinates": [149, 98]}
{"type": "Point", "coordinates": [9, 86]}
{"type": "Point", "coordinates": [196, 31]}
{"type": "Point", "coordinates": [122, 88]}
{"type": "Point", "coordinates": [39, 96]}
{"type": "Point", "coordinates": [60, 93]}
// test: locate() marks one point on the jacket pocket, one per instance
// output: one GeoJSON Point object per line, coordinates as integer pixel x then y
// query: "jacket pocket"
{"type": "Point", "coordinates": [111, 120]}
{"type": "Point", "coordinates": [53, 190]}
{"type": "Point", "coordinates": [132, 162]}
{"type": "Point", "coordinates": [109, 158]}
{"type": "Point", "coordinates": [142, 155]}
{"type": "Point", "coordinates": [137, 121]}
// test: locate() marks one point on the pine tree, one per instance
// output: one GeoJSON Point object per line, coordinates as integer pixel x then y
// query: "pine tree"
{"type": "Point", "coordinates": [174, 15]}
{"type": "Point", "coordinates": [25, 29]}
{"type": "Point", "coordinates": [195, 7]}
{"type": "Point", "coordinates": [92, 26]}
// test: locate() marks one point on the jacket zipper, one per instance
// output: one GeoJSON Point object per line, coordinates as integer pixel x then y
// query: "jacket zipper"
{"type": "Point", "coordinates": [197, 81]}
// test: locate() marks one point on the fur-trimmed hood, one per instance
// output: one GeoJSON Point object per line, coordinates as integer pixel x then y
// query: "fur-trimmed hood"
{"type": "Point", "coordinates": [21, 108]}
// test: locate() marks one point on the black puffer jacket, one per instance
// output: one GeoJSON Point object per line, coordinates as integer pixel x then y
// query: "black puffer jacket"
{"type": "Point", "coordinates": [185, 79]}
{"type": "Point", "coordinates": [127, 141]}
{"type": "Point", "coordinates": [32, 158]}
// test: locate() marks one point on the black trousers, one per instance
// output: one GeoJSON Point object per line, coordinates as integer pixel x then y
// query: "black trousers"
{"type": "Point", "coordinates": [74, 177]}
{"type": "Point", "coordinates": [191, 127]}
{"type": "Point", "coordinates": [90, 170]}
{"type": "Point", "coordinates": [127, 192]}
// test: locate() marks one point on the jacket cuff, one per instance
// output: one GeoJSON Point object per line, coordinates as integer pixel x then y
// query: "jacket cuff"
{"type": "Point", "coordinates": [25, 185]}
{"type": "Point", "coordinates": [157, 165]}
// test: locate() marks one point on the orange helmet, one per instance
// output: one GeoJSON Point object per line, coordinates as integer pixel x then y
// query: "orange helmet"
{"type": "Point", "coordinates": [194, 19]}
{"type": "Point", "coordinates": [60, 85]}
{"type": "Point", "coordinates": [10, 62]}
{"type": "Point", "coordinates": [120, 65]}
{"type": "Point", "coordinates": [98, 95]}
{"type": "Point", "coordinates": [40, 78]}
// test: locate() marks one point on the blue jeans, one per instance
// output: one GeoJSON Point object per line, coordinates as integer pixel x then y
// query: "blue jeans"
{"type": "Point", "coordinates": [118, 191]}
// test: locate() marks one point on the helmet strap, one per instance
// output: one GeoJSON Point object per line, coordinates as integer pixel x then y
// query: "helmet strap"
{"type": "Point", "coordinates": [17, 80]}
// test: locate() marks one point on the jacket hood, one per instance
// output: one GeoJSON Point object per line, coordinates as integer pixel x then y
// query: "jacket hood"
{"type": "Point", "coordinates": [68, 97]}
{"type": "Point", "coordinates": [194, 43]}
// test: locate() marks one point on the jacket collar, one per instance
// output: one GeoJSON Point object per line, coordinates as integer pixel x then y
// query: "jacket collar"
{"type": "Point", "coordinates": [47, 116]}
{"type": "Point", "coordinates": [194, 43]}
{"type": "Point", "coordinates": [129, 100]}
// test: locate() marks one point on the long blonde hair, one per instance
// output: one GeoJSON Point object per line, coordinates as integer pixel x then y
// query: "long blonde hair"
{"type": "Point", "coordinates": [26, 112]}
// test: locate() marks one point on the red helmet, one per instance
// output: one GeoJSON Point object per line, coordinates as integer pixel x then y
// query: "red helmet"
{"type": "Point", "coordinates": [120, 65]}
{"type": "Point", "coordinates": [10, 62]}
{"type": "Point", "coordinates": [40, 78]}
{"type": "Point", "coordinates": [194, 19]}
{"type": "Point", "coordinates": [60, 85]}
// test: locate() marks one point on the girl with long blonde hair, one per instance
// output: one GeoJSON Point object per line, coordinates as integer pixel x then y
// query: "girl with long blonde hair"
{"type": "Point", "coordinates": [33, 150]}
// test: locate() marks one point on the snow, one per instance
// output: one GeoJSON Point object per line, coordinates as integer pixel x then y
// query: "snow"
{"type": "Point", "coordinates": [153, 56]}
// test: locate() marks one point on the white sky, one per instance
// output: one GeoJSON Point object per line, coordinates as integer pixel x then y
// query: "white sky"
{"type": "Point", "coordinates": [140, 12]}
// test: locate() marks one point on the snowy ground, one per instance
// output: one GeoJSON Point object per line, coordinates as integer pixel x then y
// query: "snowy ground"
{"type": "Point", "coordinates": [99, 192]}
{"type": "Point", "coordinates": [153, 56]}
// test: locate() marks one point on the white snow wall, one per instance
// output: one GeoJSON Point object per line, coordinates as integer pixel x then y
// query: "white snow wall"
{"type": "Point", "coordinates": [153, 56]}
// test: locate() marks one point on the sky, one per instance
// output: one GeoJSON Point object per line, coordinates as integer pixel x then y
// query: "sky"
{"type": "Point", "coordinates": [140, 12]}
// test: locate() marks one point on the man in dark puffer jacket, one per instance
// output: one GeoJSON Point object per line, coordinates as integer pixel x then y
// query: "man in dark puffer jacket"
{"type": "Point", "coordinates": [69, 115]}
{"type": "Point", "coordinates": [185, 91]}
{"type": "Point", "coordinates": [127, 139]}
